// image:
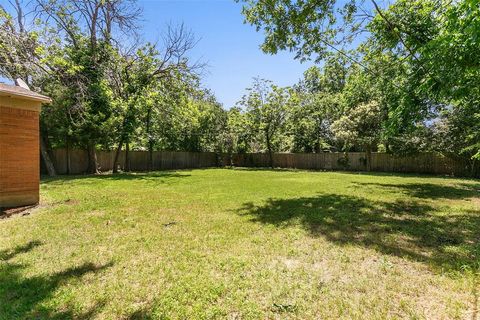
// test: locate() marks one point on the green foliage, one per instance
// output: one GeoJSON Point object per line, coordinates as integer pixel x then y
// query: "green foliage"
{"type": "Point", "coordinates": [311, 119]}
{"type": "Point", "coordinates": [105, 94]}
{"type": "Point", "coordinates": [419, 139]}
{"type": "Point", "coordinates": [457, 133]}
{"type": "Point", "coordinates": [196, 125]}
{"type": "Point", "coordinates": [328, 79]}
{"type": "Point", "coordinates": [267, 107]}
{"type": "Point", "coordinates": [305, 27]}
{"type": "Point", "coordinates": [420, 57]}
{"type": "Point", "coordinates": [360, 125]}
{"type": "Point", "coordinates": [439, 41]}
{"type": "Point", "coordinates": [236, 136]}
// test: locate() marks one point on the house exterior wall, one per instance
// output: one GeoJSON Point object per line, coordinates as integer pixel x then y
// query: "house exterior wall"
{"type": "Point", "coordinates": [19, 152]}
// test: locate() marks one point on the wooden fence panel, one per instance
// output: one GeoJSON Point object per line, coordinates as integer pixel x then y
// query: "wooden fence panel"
{"type": "Point", "coordinates": [139, 160]}
{"type": "Point", "coordinates": [77, 161]}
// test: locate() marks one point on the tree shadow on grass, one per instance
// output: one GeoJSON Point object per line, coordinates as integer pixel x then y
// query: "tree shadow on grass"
{"type": "Point", "coordinates": [156, 176]}
{"type": "Point", "coordinates": [9, 254]}
{"type": "Point", "coordinates": [429, 190]}
{"type": "Point", "coordinates": [353, 173]}
{"type": "Point", "coordinates": [142, 314]}
{"type": "Point", "coordinates": [404, 229]}
{"type": "Point", "coordinates": [21, 297]}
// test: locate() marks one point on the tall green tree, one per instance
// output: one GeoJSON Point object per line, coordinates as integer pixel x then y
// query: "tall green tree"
{"type": "Point", "coordinates": [423, 53]}
{"type": "Point", "coordinates": [267, 107]}
{"type": "Point", "coordinates": [361, 125]}
{"type": "Point", "coordinates": [79, 57]}
{"type": "Point", "coordinates": [439, 40]}
{"type": "Point", "coordinates": [237, 134]}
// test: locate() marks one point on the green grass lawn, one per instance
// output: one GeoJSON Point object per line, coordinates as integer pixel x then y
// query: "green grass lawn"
{"type": "Point", "coordinates": [245, 244]}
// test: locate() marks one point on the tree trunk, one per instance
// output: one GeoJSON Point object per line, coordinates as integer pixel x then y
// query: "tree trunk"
{"type": "Point", "coordinates": [368, 156]}
{"type": "Point", "coordinates": [316, 149]}
{"type": "Point", "coordinates": [150, 140]}
{"type": "Point", "coordinates": [270, 158]}
{"type": "Point", "coordinates": [120, 144]}
{"type": "Point", "coordinates": [474, 168]}
{"type": "Point", "coordinates": [117, 155]}
{"type": "Point", "coordinates": [69, 168]}
{"type": "Point", "coordinates": [150, 155]}
{"type": "Point", "coordinates": [127, 157]}
{"type": "Point", "coordinates": [387, 147]}
{"type": "Point", "coordinates": [46, 158]}
{"type": "Point", "coordinates": [92, 159]}
{"type": "Point", "coordinates": [270, 153]}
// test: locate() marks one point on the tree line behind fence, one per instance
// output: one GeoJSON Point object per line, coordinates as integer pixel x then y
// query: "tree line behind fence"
{"type": "Point", "coordinates": [76, 161]}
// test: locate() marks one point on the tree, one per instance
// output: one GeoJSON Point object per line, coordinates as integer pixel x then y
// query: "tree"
{"type": "Point", "coordinates": [310, 121]}
{"type": "Point", "coordinates": [457, 134]}
{"type": "Point", "coordinates": [143, 71]}
{"type": "Point", "coordinates": [423, 52]}
{"type": "Point", "coordinates": [330, 78]}
{"type": "Point", "coordinates": [308, 28]}
{"type": "Point", "coordinates": [102, 87]}
{"type": "Point", "coordinates": [212, 122]}
{"type": "Point", "coordinates": [159, 107]}
{"type": "Point", "coordinates": [82, 58]}
{"type": "Point", "coordinates": [237, 135]}
{"type": "Point", "coordinates": [318, 101]}
{"type": "Point", "coordinates": [441, 41]}
{"type": "Point", "coordinates": [17, 46]}
{"type": "Point", "coordinates": [362, 126]}
{"type": "Point", "coordinates": [266, 106]}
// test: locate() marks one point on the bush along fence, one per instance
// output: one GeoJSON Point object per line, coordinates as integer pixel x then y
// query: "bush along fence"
{"type": "Point", "coordinates": [76, 161]}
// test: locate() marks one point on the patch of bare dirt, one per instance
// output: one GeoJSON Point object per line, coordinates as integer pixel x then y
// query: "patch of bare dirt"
{"type": "Point", "coordinates": [68, 201]}
{"type": "Point", "coordinates": [24, 211]}
{"type": "Point", "coordinates": [475, 201]}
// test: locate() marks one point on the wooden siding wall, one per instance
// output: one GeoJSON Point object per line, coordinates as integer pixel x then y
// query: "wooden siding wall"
{"type": "Point", "coordinates": [19, 157]}
{"type": "Point", "coordinates": [423, 163]}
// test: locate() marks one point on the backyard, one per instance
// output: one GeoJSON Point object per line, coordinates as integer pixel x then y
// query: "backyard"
{"type": "Point", "coordinates": [244, 244]}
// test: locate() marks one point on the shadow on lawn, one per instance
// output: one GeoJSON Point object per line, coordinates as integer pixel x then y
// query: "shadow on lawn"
{"type": "Point", "coordinates": [355, 173]}
{"type": "Point", "coordinates": [403, 229]}
{"type": "Point", "coordinates": [142, 314]}
{"type": "Point", "coordinates": [9, 254]}
{"type": "Point", "coordinates": [21, 297]}
{"type": "Point", "coordinates": [156, 176]}
{"type": "Point", "coordinates": [429, 190]}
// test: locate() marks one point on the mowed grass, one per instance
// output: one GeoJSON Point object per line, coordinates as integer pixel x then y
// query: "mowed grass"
{"type": "Point", "coordinates": [245, 244]}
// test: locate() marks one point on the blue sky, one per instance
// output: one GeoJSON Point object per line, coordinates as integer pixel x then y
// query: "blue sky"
{"type": "Point", "coordinates": [230, 47]}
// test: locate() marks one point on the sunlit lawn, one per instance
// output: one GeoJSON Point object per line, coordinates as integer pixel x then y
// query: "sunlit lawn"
{"type": "Point", "coordinates": [245, 244]}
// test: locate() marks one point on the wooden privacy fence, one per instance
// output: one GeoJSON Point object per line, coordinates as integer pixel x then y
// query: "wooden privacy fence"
{"type": "Point", "coordinates": [355, 161]}
{"type": "Point", "coordinates": [77, 161]}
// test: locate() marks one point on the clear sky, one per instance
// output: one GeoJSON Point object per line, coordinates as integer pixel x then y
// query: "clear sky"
{"type": "Point", "coordinates": [230, 47]}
